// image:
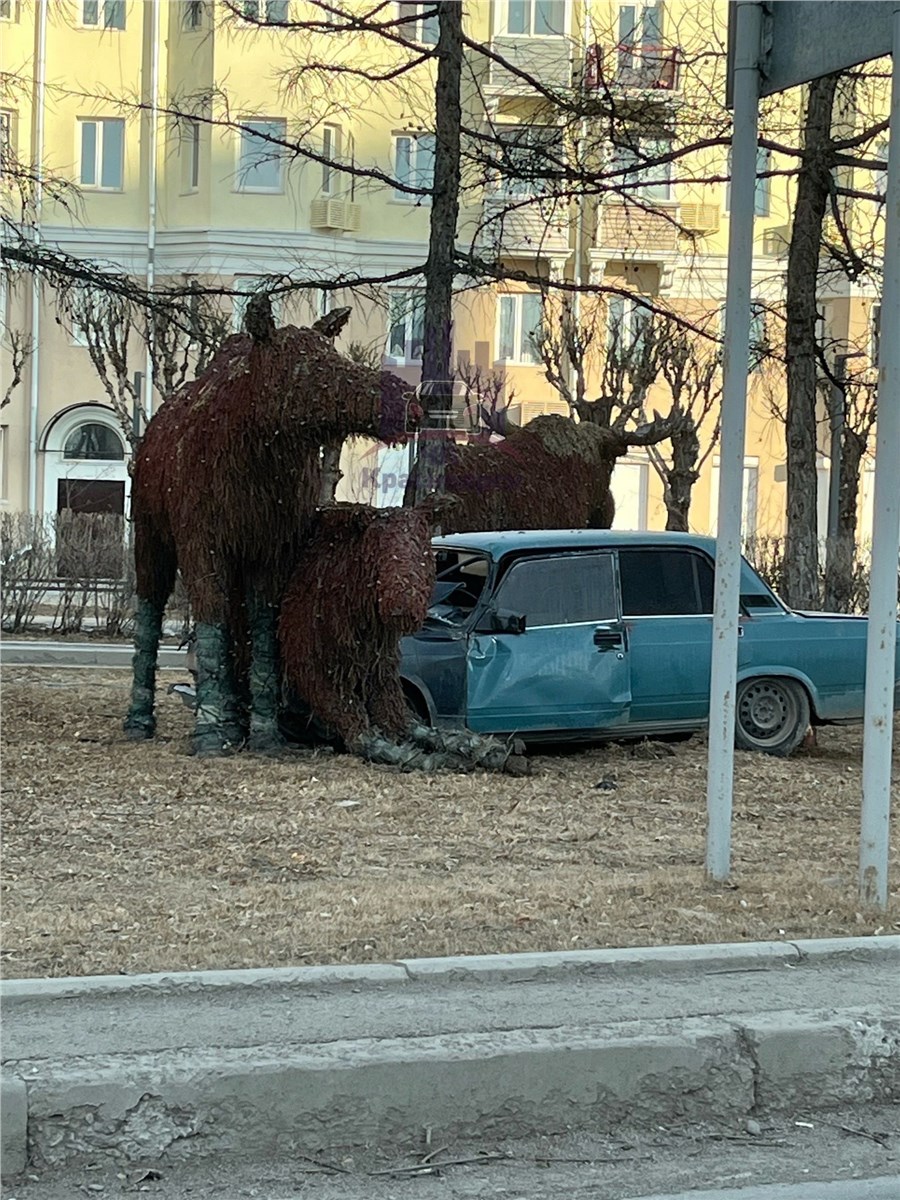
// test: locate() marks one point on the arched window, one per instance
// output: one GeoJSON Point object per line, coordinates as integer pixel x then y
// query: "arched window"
{"type": "Point", "coordinates": [93, 441]}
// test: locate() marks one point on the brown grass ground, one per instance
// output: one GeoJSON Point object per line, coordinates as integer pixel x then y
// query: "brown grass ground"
{"type": "Point", "coordinates": [126, 858]}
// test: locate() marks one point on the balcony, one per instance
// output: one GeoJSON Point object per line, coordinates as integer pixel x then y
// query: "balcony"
{"type": "Point", "coordinates": [517, 227]}
{"type": "Point", "coordinates": [639, 234]}
{"type": "Point", "coordinates": [547, 60]}
{"type": "Point", "coordinates": [626, 68]}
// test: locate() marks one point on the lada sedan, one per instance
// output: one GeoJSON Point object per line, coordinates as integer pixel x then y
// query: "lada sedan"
{"type": "Point", "coordinates": [598, 634]}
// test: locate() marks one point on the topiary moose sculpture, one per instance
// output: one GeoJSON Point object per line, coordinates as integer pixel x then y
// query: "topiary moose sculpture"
{"type": "Point", "coordinates": [225, 489]}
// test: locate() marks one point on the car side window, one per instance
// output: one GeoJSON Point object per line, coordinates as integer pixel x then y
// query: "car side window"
{"type": "Point", "coordinates": [566, 590]}
{"type": "Point", "coordinates": [665, 583]}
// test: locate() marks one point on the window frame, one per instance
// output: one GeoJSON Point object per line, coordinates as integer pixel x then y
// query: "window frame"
{"type": "Point", "coordinates": [99, 153]}
{"type": "Point", "coordinates": [414, 298]}
{"type": "Point", "coordinates": [415, 178]}
{"type": "Point", "coordinates": [532, 8]}
{"type": "Point", "coordinates": [104, 9]}
{"type": "Point", "coordinates": [519, 334]}
{"type": "Point", "coordinates": [191, 135]}
{"type": "Point", "coordinates": [594, 554]}
{"type": "Point", "coordinates": [193, 13]}
{"type": "Point", "coordinates": [8, 136]}
{"type": "Point", "coordinates": [625, 158]}
{"type": "Point", "coordinates": [633, 316]}
{"type": "Point", "coordinates": [749, 495]}
{"type": "Point", "coordinates": [275, 154]}
{"type": "Point", "coordinates": [762, 184]}
{"type": "Point", "coordinates": [698, 557]}
{"type": "Point", "coordinates": [410, 12]}
{"type": "Point", "coordinates": [334, 134]}
{"type": "Point", "coordinates": [9, 10]}
{"type": "Point", "coordinates": [261, 16]}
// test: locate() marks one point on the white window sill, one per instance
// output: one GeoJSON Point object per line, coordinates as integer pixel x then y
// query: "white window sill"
{"type": "Point", "coordinates": [411, 202]}
{"type": "Point", "coordinates": [98, 188]}
{"type": "Point", "coordinates": [257, 191]}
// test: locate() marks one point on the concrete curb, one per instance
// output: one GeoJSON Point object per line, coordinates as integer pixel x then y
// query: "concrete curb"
{"type": "Point", "coordinates": [725, 957]}
{"type": "Point", "coordinates": [275, 1100]}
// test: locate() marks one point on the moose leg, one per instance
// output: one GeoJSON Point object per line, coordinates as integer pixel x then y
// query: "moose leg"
{"type": "Point", "coordinates": [216, 730]}
{"type": "Point", "coordinates": [141, 721]}
{"type": "Point", "coordinates": [386, 703]}
{"type": "Point", "coordinates": [265, 677]}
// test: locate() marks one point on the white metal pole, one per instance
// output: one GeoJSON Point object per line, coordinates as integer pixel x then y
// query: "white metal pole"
{"type": "Point", "coordinates": [37, 158]}
{"type": "Point", "coordinates": [882, 631]}
{"type": "Point", "coordinates": [720, 774]}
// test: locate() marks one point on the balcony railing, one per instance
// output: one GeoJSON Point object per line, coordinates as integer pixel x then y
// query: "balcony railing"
{"type": "Point", "coordinates": [637, 232]}
{"type": "Point", "coordinates": [632, 68]}
{"type": "Point", "coordinates": [516, 225]}
{"type": "Point", "coordinates": [546, 60]}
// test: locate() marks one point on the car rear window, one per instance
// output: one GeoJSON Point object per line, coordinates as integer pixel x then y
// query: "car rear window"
{"type": "Point", "coordinates": [665, 583]}
{"type": "Point", "coordinates": [566, 590]}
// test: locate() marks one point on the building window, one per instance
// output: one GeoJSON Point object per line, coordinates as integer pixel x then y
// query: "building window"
{"type": "Point", "coordinates": [190, 156]}
{"type": "Point", "coordinates": [6, 13]}
{"type": "Point", "coordinates": [332, 148]}
{"type": "Point", "coordinates": [759, 335]}
{"type": "Point", "coordinates": [93, 440]}
{"type": "Point", "coordinates": [875, 335]}
{"type": "Point", "coordinates": [413, 164]}
{"type": "Point", "coordinates": [107, 14]}
{"type": "Point", "coordinates": [762, 194]}
{"type": "Point", "coordinates": [261, 155]}
{"type": "Point", "coordinates": [536, 18]}
{"type": "Point", "coordinates": [102, 153]}
{"type": "Point", "coordinates": [421, 21]}
{"type": "Point", "coordinates": [531, 156]}
{"type": "Point", "coordinates": [406, 322]}
{"type": "Point", "coordinates": [639, 170]}
{"type": "Point", "coordinates": [640, 41]}
{"type": "Point", "coordinates": [7, 140]}
{"type": "Point", "coordinates": [625, 323]}
{"type": "Point", "coordinates": [749, 497]}
{"type": "Point", "coordinates": [192, 14]}
{"type": "Point", "coordinates": [246, 286]}
{"type": "Point", "coordinates": [519, 327]}
{"type": "Point", "coordinates": [270, 12]}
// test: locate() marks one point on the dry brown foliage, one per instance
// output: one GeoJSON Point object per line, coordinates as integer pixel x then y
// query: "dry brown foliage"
{"type": "Point", "coordinates": [130, 857]}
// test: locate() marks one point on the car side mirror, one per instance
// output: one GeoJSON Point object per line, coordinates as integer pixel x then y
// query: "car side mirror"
{"type": "Point", "coordinates": [501, 620]}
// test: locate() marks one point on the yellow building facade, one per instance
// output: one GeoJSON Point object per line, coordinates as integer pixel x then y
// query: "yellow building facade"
{"type": "Point", "coordinates": [171, 120]}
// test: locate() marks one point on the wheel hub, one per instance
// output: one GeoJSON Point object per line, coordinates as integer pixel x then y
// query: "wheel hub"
{"type": "Point", "coordinates": [764, 709]}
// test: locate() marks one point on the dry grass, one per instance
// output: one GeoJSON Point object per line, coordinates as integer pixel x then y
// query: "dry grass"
{"type": "Point", "coordinates": [125, 858]}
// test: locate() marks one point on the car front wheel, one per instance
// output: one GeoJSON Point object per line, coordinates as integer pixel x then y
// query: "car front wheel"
{"type": "Point", "coordinates": [772, 715]}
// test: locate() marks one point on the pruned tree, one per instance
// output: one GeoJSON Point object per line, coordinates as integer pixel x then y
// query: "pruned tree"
{"type": "Point", "coordinates": [21, 349]}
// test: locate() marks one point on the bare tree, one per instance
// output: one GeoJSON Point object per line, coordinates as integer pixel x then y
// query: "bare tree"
{"type": "Point", "coordinates": [21, 349]}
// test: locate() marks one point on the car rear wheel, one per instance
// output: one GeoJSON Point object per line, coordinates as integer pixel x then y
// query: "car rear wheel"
{"type": "Point", "coordinates": [772, 715]}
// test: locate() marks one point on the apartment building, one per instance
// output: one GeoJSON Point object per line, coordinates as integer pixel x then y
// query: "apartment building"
{"type": "Point", "coordinates": [169, 119]}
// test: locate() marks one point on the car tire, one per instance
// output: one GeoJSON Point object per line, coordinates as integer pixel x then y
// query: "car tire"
{"type": "Point", "coordinates": [772, 715]}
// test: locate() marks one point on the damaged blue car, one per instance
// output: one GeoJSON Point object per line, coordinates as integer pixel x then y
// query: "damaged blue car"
{"type": "Point", "coordinates": [598, 634]}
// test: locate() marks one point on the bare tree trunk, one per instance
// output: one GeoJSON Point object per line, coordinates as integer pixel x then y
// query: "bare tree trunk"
{"type": "Point", "coordinates": [681, 477]}
{"type": "Point", "coordinates": [437, 383]}
{"type": "Point", "coordinates": [813, 187]}
{"type": "Point", "coordinates": [331, 472]}
{"type": "Point", "coordinates": [839, 585]}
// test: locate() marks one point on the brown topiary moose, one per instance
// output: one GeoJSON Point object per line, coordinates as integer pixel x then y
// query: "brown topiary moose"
{"type": "Point", "coordinates": [549, 474]}
{"type": "Point", "coordinates": [364, 580]}
{"type": "Point", "coordinates": [226, 483]}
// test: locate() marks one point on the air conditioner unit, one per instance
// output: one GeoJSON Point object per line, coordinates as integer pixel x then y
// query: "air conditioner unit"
{"type": "Point", "coordinates": [342, 215]}
{"type": "Point", "coordinates": [700, 218]}
{"type": "Point", "coordinates": [527, 410]}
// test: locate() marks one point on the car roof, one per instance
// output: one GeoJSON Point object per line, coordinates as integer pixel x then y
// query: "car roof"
{"type": "Point", "coordinates": [497, 543]}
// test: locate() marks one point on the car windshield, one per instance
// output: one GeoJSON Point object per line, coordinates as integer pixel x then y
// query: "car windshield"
{"type": "Point", "coordinates": [461, 576]}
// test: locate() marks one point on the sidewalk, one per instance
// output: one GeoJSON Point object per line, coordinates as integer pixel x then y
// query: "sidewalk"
{"type": "Point", "coordinates": [263, 1064]}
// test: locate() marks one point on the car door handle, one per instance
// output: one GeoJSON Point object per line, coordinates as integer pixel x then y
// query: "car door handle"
{"type": "Point", "coordinates": [606, 638]}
